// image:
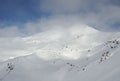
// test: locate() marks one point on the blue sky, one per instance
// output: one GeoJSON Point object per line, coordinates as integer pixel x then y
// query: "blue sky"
{"type": "Point", "coordinates": [19, 11]}
{"type": "Point", "coordinates": [101, 14]}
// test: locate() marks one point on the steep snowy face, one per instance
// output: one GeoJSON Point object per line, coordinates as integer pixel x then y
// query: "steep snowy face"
{"type": "Point", "coordinates": [68, 43]}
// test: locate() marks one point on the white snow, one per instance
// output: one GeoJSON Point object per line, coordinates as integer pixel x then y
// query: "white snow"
{"type": "Point", "coordinates": [74, 54]}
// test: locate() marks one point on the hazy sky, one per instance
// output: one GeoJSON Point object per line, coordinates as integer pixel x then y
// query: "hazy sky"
{"type": "Point", "coordinates": [100, 14]}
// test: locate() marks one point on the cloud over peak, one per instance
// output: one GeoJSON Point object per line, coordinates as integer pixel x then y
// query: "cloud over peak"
{"type": "Point", "coordinates": [101, 14]}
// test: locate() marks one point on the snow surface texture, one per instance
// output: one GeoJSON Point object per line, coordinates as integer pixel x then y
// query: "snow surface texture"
{"type": "Point", "coordinates": [75, 54]}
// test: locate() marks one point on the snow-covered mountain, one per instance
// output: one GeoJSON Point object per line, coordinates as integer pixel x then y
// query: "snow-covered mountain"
{"type": "Point", "coordinates": [74, 54]}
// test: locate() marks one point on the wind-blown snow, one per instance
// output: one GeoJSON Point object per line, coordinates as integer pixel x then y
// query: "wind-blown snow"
{"type": "Point", "coordinates": [101, 65]}
{"type": "Point", "coordinates": [62, 42]}
{"type": "Point", "coordinates": [74, 54]}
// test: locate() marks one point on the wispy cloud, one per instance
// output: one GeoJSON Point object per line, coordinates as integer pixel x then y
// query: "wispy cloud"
{"type": "Point", "coordinates": [58, 38]}
{"type": "Point", "coordinates": [101, 14]}
{"type": "Point", "coordinates": [61, 15]}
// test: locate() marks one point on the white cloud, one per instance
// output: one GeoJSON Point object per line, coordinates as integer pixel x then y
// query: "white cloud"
{"type": "Point", "coordinates": [60, 6]}
{"type": "Point", "coordinates": [48, 37]}
{"type": "Point", "coordinates": [101, 14]}
{"type": "Point", "coordinates": [10, 31]}
{"type": "Point", "coordinates": [59, 37]}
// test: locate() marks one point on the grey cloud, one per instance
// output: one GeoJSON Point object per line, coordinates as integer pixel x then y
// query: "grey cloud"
{"type": "Point", "coordinates": [102, 14]}
{"type": "Point", "coordinates": [60, 6]}
{"type": "Point", "coordinates": [10, 31]}
{"type": "Point", "coordinates": [70, 6]}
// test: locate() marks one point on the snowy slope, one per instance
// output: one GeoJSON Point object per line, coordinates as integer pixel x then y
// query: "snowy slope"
{"type": "Point", "coordinates": [68, 43]}
{"type": "Point", "coordinates": [93, 59]}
